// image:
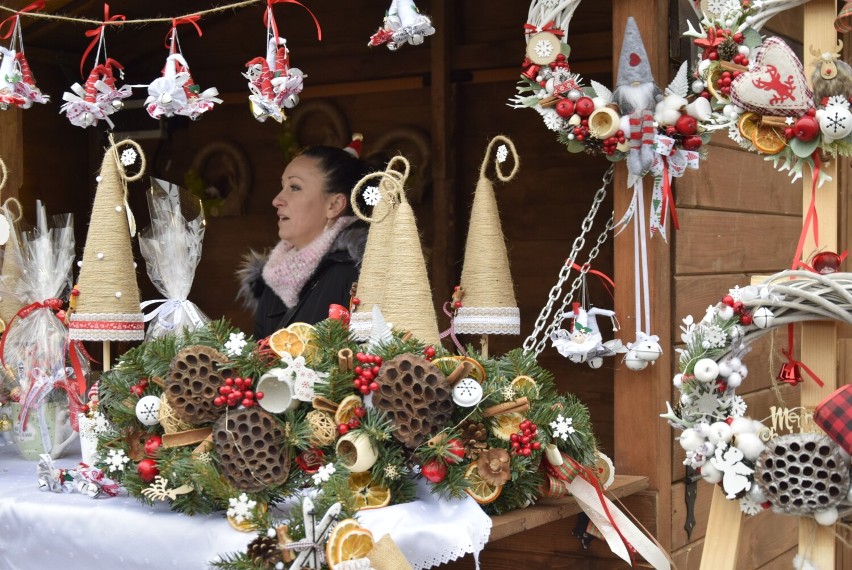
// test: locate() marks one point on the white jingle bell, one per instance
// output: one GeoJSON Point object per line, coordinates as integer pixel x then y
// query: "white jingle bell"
{"type": "Point", "coordinates": [577, 358]}
{"type": "Point", "coordinates": [117, 104]}
{"type": "Point", "coordinates": [148, 410]}
{"type": "Point", "coordinates": [467, 393]}
{"type": "Point", "coordinates": [763, 318]}
{"type": "Point", "coordinates": [835, 122]}
{"type": "Point", "coordinates": [706, 370]}
{"type": "Point", "coordinates": [826, 517]}
{"type": "Point", "coordinates": [165, 98]}
{"type": "Point", "coordinates": [595, 362]}
{"type": "Point", "coordinates": [648, 350]}
{"type": "Point", "coordinates": [633, 362]}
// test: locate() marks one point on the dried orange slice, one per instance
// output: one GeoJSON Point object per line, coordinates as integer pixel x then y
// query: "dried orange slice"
{"type": "Point", "coordinates": [284, 341]}
{"type": "Point", "coordinates": [368, 493]}
{"type": "Point", "coordinates": [526, 384]}
{"type": "Point", "coordinates": [712, 78]}
{"type": "Point", "coordinates": [334, 539]}
{"type": "Point", "coordinates": [346, 409]}
{"type": "Point", "coordinates": [481, 491]}
{"type": "Point", "coordinates": [769, 140]}
{"type": "Point", "coordinates": [308, 334]}
{"type": "Point", "coordinates": [355, 543]}
{"type": "Point", "coordinates": [506, 424]}
{"type": "Point", "coordinates": [449, 363]}
{"type": "Point", "coordinates": [748, 124]}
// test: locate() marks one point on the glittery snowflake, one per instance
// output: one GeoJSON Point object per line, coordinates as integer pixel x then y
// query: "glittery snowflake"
{"type": "Point", "coordinates": [236, 343]}
{"type": "Point", "coordinates": [722, 8]}
{"type": "Point", "coordinates": [502, 153]}
{"type": "Point", "coordinates": [372, 196]}
{"type": "Point", "coordinates": [562, 427]}
{"type": "Point", "coordinates": [240, 507]}
{"type": "Point", "coordinates": [543, 48]}
{"type": "Point", "coordinates": [551, 120]}
{"type": "Point", "coordinates": [738, 406]}
{"type": "Point", "coordinates": [116, 460]}
{"type": "Point", "coordinates": [324, 474]}
{"type": "Point", "coordinates": [391, 472]}
{"type": "Point", "coordinates": [706, 405]}
{"type": "Point", "coordinates": [750, 506]}
{"type": "Point", "coordinates": [508, 393]}
{"type": "Point", "coordinates": [838, 100]}
{"type": "Point", "coordinates": [713, 337]}
{"type": "Point", "coordinates": [128, 156]}
{"type": "Point", "coordinates": [205, 458]}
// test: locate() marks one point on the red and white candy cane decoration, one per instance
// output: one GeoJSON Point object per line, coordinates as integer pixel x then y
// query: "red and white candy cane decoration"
{"type": "Point", "coordinates": [17, 84]}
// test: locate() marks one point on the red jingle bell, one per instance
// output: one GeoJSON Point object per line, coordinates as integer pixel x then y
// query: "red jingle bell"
{"type": "Point", "coordinates": [790, 373]}
{"type": "Point", "coordinates": [531, 72]}
{"type": "Point", "coordinates": [826, 262]}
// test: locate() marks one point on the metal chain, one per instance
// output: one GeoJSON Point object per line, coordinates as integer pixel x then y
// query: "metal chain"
{"type": "Point", "coordinates": [532, 342]}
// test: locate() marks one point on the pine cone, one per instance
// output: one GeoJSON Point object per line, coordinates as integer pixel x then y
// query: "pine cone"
{"type": "Point", "coordinates": [728, 49]}
{"type": "Point", "coordinates": [264, 551]}
{"type": "Point", "coordinates": [473, 435]}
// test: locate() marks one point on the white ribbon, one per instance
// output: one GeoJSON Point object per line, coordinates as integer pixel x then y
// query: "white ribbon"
{"type": "Point", "coordinates": [174, 307]}
{"type": "Point", "coordinates": [678, 161]}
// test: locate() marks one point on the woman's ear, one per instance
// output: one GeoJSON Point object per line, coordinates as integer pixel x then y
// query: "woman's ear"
{"type": "Point", "coordinates": [337, 204]}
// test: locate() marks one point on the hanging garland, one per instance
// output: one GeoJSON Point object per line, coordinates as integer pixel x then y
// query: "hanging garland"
{"type": "Point", "coordinates": [803, 474]}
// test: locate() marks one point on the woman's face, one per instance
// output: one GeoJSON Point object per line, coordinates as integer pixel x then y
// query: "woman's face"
{"type": "Point", "coordinates": [303, 207]}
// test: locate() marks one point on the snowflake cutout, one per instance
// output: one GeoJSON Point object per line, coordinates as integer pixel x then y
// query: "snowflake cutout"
{"type": "Point", "coordinates": [240, 507]}
{"type": "Point", "coordinates": [722, 8]}
{"type": "Point", "coordinates": [543, 48]}
{"type": "Point", "coordinates": [713, 337]}
{"type": "Point", "coordinates": [116, 460]}
{"type": "Point", "coordinates": [562, 427]}
{"type": "Point", "coordinates": [838, 100]}
{"type": "Point", "coordinates": [734, 134]}
{"type": "Point", "coordinates": [128, 156]}
{"type": "Point", "coordinates": [551, 120]}
{"type": "Point", "coordinates": [750, 506]}
{"type": "Point", "coordinates": [836, 121]}
{"type": "Point", "coordinates": [704, 405]}
{"type": "Point", "coordinates": [502, 153]}
{"type": "Point", "coordinates": [738, 406]}
{"type": "Point", "coordinates": [324, 474]}
{"type": "Point", "coordinates": [508, 393]}
{"type": "Point", "coordinates": [205, 458]}
{"type": "Point", "coordinates": [372, 196]}
{"type": "Point", "coordinates": [392, 472]}
{"type": "Point", "coordinates": [236, 343]}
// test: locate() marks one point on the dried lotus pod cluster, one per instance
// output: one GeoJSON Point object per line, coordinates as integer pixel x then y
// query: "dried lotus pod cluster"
{"type": "Point", "coordinates": [251, 445]}
{"type": "Point", "coordinates": [416, 397]}
{"type": "Point", "coordinates": [195, 375]}
{"type": "Point", "coordinates": [802, 473]}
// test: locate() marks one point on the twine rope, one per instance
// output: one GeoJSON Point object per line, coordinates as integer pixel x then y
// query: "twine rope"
{"type": "Point", "coordinates": [516, 161]}
{"type": "Point", "coordinates": [140, 21]}
{"type": "Point", "coordinates": [4, 175]}
{"type": "Point", "coordinates": [391, 187]}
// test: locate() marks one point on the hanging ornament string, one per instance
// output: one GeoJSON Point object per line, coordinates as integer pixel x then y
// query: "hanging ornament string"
{"type": "Point", "coordinates": [171, 42]}
{"type": "Point", "coordinates": [14, 22]}
{"type": "Point", "coordinates": [811, 218]}
{"type": "Point", "coordinates": [269, 18]}
{"type": "Point", "coordinates": [131, 220]}
{"type": "Point", "coordinates": [97, 36]}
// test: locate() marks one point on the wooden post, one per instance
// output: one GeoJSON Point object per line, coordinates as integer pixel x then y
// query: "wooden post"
{"type": "Point", "coordinates": [12, 150]}
{"type": "Point", "coordinates": [723, 533]}
{"type": "Point", "coordinates": [819, 340]}
{"type": "Point", "coordinates": [640, 396]}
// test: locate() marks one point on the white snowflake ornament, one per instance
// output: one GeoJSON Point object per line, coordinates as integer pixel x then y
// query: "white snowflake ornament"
{"type": "Point", "coordinates": [502, 153]}
{"type": "Point", "coordinates": [236, 343]}
{"type": "Point", "coordinates": [116, 460]}
{"type": "Point", "coordinates": [543, 48]}
{"type": "Point", "coordinates": [372, 195]}
{"type": "Point", "coordinates": [750, 507]}
{"type": "Point", "coordinates": [128, 156]}
{"type": "Point", "coordinates": [562, 427]}
{"type": "Point", "coordinates": [240, 508]}
{"type": "Point", "coordinates": [324, 474]}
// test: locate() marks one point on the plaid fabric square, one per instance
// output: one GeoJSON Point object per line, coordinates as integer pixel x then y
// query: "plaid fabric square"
{"type": "Point", "coordinates": [834, 415]}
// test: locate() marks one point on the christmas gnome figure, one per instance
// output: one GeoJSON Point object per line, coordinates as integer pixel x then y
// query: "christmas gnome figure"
{"type": "Point", "coordinates": [488, 304]}
{"type": "Point", "coordinates": [107, 306]}
{"type": "Point", "coordinates": [381, 190]}
{"type": "Point", "coordinates": [407, 301]}
{"type": "Point", "coordinates": [636, 94]}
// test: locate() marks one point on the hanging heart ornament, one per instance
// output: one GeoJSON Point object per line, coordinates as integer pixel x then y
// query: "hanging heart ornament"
{"type": "Point", "coordinates": [775, 84]}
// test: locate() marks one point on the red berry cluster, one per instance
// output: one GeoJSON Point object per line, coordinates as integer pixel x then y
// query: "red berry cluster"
{"type": "Point", "coordinates": [354, 422]}
{"type": "Point", "coordinates": [560, 62]}
{"type": "Point", "coordinates": [713, 54]}
{"type": "Point", "coordinates": [724, 83]}
{"type": "Point", "coordinates": [739, 309]}
{"type": "Point", "coordinates": [581, 131]}
{"type": "Point", "coordinates": [237, 391]}
{"type": "Point", "coordinates": [429, 352]}
{"type": "Point", "coordinates": [366, 372]}
{"type": "Point", "coordinates": [610, 145]}
{"type": "Point", "coordinates": [138, 389]}
{"type": "Point", "coordinates": [524, 442]}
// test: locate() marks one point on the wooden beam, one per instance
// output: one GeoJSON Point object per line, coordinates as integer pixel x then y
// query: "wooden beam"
{"type": "Point", "coordinates": [640, 396]}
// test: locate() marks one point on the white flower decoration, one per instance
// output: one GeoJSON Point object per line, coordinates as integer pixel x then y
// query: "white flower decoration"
{"type": "Point", "coordinates": [372, 196]}
{"type": "Point", "coordinates": [240, 507]}
{"type": "Point", "coordinates": [324, 474]}
{"type": "Point", "coordinates": [116, 460]}
{"type": "Point", "coordinates": [551, 120]}
{"type": "Point", "coordinates": [128, 156]}
{"type": "Point", "coordinates": [543, 48]}
{"type": "Point", "coordinates": [236, 343]}
{"type": "Point", "coordinates": [502, 153]}
{"type": "Point", "coordinates": [562, 427]}
{"type": "Point", "coordinates": [738, 407]}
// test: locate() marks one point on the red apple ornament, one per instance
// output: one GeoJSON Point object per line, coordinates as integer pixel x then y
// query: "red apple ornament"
{"type": "Point", "coordinates": [147, 470]}
{"type": "Point", "coordinates": [692, 142]}
{"type": "Point", "coordinates": [434, 470]}
{"type": "Point", "coordinates": [152, 444]}
{"type": "Point", "coordinates": [584, 106]}
{"type": "Point", "coordinates": [806, 128]}
{"type": "Point", "coordinates": [565, 108]}
{"type": "Point", "coordinates": [686, 125]}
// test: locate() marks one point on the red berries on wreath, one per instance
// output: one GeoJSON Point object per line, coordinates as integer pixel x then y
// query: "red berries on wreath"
{"type": "Point", "coordinates": [366, 372]}
{"type": "Point", "coordinates": [237, 391]}
{"type": "Point", "coordinates": [524, 442]}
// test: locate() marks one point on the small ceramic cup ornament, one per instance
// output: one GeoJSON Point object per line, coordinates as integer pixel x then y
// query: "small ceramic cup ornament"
{"type": "Point", "coordinates": [763, 318]}
{"type": "Point", "coordinates": [633, 362]}
{"type": "Point", "coordinates": [706, 370]}
{"type": "Point", "coordinates": [467, 393]}
{"type": "Point", "coordinates": [357, 451]}
{"type": "Point", "coordinates": [148, 410]}
{"type": "Point", "coordinates": [277, 392]}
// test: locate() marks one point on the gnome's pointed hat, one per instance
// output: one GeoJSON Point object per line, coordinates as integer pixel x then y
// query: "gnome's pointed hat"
{"type": "Point", "coordinates": [356, 146]}
{"type": "Point", "coordinates": [488, 305]}
{"type": "Point", "coordinates": [633, 63]}
{"type": "Point", "coordinates": [380, 190]}
{"type": "Point", "coordinates": [108, 300]}
{"type": "Point", "coordinates": [408, 300]}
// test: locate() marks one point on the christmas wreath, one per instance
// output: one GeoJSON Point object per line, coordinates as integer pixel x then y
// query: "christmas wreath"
{"type": "Point", "coordinates": [805, 474]}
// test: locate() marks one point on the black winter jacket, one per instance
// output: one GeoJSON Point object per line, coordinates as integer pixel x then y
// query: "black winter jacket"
{"type": "Point", "coordinates": [330, 283]}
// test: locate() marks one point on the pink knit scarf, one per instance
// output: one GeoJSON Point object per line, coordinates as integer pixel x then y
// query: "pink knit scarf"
{"type": "Point", "coordinates": [288, 269]}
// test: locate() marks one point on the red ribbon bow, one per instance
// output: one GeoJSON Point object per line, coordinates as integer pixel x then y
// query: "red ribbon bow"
{"type": "Point", "coordinates": [809, 217]}
{"type": "Point", "coordinates": [601, 275]}
{"type": "Point", "coordinates": [548, 27]}
{"type": "Point", "coordinates": [12, 21]}
{"type": "Point", "coordinates": [170, 37]}
{"type": "Point", "coordinates": [268, 13]}
{"type": "Point", "coordinates": [97, 33]}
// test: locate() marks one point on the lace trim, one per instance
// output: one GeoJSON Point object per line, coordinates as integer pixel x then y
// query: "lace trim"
{"type": "Point", "coordinates": [360, 326]}
{"type": "Point", "coordinates": [475, 546]}
{"type": "Point", "coordinates": [488, 320]}
{"type": "Point", "coordinates": [106, 326]}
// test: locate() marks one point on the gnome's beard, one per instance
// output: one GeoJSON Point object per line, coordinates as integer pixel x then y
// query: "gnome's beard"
{"type": "Point", "coordinates": [632, 98]}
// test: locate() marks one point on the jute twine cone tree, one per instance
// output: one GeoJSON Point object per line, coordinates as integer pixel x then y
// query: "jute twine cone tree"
{"type": "Point", "coordinates": [384, 197]}
{"type": "Point", "coordinates": [10, 303]}
{"type": "Point", "coordinates": [488, 303]}
{"type": "Point", "coordinates": [407, 300]}
{"type": "Point", "coordinates": [107, 304]}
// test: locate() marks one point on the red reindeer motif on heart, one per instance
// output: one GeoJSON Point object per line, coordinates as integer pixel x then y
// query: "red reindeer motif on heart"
{"type": "Point", "coordinates": [776, 83]}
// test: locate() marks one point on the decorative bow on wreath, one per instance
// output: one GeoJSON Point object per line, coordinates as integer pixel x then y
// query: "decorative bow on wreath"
{"type": "Point", "coordinates": [548, 27]}
{"type": "Point", "coordinates": [668, 163]}
{"type": "Point", "coordinates": [174, 308]}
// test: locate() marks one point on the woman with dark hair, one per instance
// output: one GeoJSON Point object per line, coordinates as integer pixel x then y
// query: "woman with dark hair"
{"type": "Point", "coordinates": [321, 242]}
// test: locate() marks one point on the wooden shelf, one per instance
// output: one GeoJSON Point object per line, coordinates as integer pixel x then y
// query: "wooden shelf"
{"type": "Point", "coordinates": [549, 511]}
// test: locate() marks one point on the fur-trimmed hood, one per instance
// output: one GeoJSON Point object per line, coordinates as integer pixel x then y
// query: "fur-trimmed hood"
{"type": "Point", "coordinates": [349, 245]}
